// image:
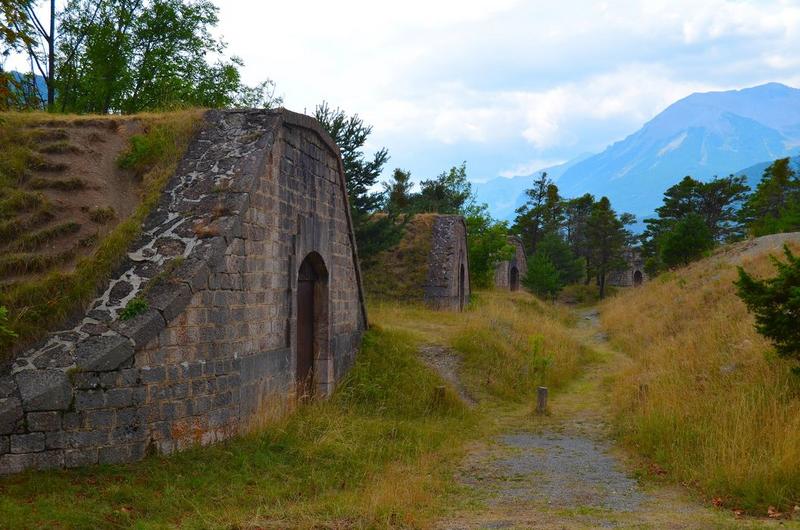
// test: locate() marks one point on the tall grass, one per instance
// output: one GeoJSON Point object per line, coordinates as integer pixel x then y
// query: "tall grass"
{"type": "Point", "coordinates": [510, 343]}
{"type": "Point", "coordinates": [705, 396]}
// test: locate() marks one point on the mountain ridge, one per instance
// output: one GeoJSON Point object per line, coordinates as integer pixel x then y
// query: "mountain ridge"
{"type": "Point", "coordinates": [703, 135]}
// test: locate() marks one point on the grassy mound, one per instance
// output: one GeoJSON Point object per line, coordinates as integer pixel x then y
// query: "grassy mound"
{"type": "Point", "coordinates": [400, 273]}
{"type": "Point", "coordinates": [705, 396]}
{"type": "Point", "coordinates": [73, 194]}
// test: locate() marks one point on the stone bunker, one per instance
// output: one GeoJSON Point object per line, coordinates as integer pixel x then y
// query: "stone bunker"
{"type": "Point", "coordinates": [634, 275]}
{"type": "Point", "coordinates": [509, 274]}
{"type": "Point", "coordinates": [242, 296]}
{"type": "Point", "coordinates": [430, 264]}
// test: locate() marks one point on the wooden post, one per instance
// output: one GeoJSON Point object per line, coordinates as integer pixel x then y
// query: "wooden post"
{"type": "Point", "coordinates": [541, 400]}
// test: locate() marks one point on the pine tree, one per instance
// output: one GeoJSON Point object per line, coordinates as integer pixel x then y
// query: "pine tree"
{"type": "Point", "coordinates": [686, 242]}
{"type": "Point", "coordinates": [607, 238]}
{"type": "Point", "coordinates": [775, 205]}
{"type": "Point", "coordinates": [776, 304]}
{"type": "Point", "coordinates": [542, 276]}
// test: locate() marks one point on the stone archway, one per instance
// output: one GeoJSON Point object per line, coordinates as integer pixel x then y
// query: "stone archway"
{"type": "Point", "coordinates": [312, 323]}
{"type": "Point", "coordinates": [638, 278]}
{"type": "Point", "coordinates": [513, 279]}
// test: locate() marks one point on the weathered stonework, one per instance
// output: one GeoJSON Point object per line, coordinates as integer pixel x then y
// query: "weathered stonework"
{"type": "Point", "coordinates": [634, 275]}
{"type": "Point", "coordinates": [447, 286]}
{"type": "Point", "coordinates": [509, 274]}
{"type": "Point", "coordinates": [214, 352]}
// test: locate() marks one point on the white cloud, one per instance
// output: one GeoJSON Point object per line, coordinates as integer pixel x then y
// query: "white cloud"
{"type": "Point", "coordinates": [550, 79]}
{"type": "Point", "coordinates": [530, 167]}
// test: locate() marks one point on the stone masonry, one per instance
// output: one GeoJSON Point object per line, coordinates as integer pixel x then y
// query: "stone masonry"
{"type": "Point", "coordinates": [504, 273]}
{"type": "Point", "coordinates": [634, 275]}
{"type": "Point", "coordinates": [211, 351]}
{"type": "Point", "coordinates": [447, 286]}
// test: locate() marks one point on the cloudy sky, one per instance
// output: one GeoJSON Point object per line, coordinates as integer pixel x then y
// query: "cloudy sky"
{"type": "Point", "coordinates": [509, 86]}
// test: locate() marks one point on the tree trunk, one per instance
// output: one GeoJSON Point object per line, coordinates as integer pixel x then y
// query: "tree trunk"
{"type": "Point", "coordinates": [51, 59]}
{"type": "Point", "coordinates": [602, 283]}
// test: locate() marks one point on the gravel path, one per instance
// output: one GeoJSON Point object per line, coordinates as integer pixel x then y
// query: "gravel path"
{"type": "Point", "coordinates": [562, 471]}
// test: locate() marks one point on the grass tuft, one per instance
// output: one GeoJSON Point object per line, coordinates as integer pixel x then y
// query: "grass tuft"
{"type": "Point", "coordinates": [14, 201]}
{"type": "Point", "coordinates": [16, 264]}
{"type": "Point", "coordinates": [72, 184]}
{"type": "Point", "coordinates": [59, 148]}
{"type": "Point", "coordinates": [36, 240]}
{"type": "Point", "coordinates": [102, 215]}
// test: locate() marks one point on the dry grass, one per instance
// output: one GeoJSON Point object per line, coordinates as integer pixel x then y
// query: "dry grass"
{"type": "Point", "coordinates": [705, 397]}
{"type": "Point", "coordinates": [510, 342]}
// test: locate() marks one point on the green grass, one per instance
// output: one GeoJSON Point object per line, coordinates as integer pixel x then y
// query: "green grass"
{"type": "Point", "coordinates": [14, 201]}
{"type": "Point", "coordinates": [377, 454]}
{"type": "Point", "coordinates": [11, 229]}
{"type": "Point", "coordinates": [24, 263]}
{"type": "Point", "coordinates": [36, 240]}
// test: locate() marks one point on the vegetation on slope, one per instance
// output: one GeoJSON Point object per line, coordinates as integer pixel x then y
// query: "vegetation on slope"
{"type": "Point", "coordinates": [42, 289]}
{"type": "Point", "coordinates": [400, 272]}
{"type": "Point", "coordinates": [706, 397]}
{"type": "Point", "coordinates": [380, 453]}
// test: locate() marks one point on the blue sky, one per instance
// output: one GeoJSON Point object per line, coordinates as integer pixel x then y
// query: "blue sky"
{"type": "Point", "coordinates": [509, 86]}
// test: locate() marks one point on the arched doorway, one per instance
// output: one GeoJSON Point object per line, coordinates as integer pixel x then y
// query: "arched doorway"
{"type": "Point", "coordinates": [312, 322]}
{"type": "Point", "coordinates": [513, 279]}
{"type": "Point", "coordinates": [461, 288]}
{"type": "Point", "coordinates": [637, 278]}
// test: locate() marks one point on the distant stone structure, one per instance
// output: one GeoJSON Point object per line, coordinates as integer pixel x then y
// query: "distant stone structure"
{"type": "Point", "coordinates": [430, 264]}
{"type": "Point", "coordinates": [242, 296]}
{"type": "Point", "coordinates": [509, 274]}
{"type": "Point", "coordinates": [634, 275]}
{"type": "Point", "coordinates": [448, 265]}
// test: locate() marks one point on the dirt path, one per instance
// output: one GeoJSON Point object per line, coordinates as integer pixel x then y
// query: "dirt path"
{"type": "Point", "coordinates": [562, 471]}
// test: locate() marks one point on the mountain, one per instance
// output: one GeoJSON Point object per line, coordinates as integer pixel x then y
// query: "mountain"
{"type": "Point", "coordinates": [504, 195]}
{"type": "Point", "coordinates": [41, 85]}
{"type": "Point", "coordinates": [702, 135]}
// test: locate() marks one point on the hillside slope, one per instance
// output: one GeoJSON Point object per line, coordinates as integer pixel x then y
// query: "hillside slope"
{"type": "Point", "coordinates": [705, 397]}
{"type": "Point", "coordinates": [73, 193]}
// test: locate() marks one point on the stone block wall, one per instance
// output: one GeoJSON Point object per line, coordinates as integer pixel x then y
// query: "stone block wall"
{"type": "Point", "coordinates": [502, 273]}
{"type": "Point", "coordinates": [214, 353]}
{"type": "Point", "coordinates": [634, 275]}
{"type": "Point", "coordinates": [447, 286]}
